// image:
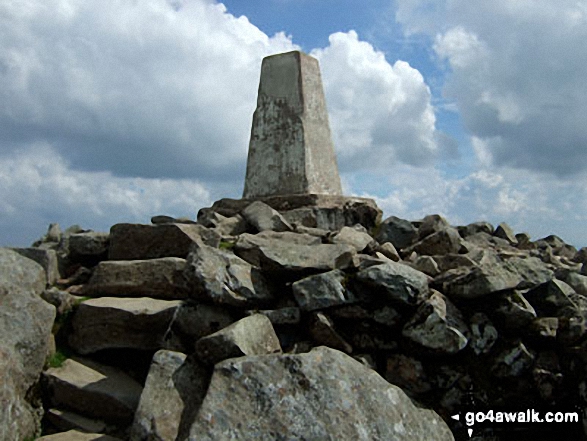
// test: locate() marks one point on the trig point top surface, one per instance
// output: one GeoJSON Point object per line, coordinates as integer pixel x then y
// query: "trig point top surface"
{"type": "Point", "coordinates": [291, 150]}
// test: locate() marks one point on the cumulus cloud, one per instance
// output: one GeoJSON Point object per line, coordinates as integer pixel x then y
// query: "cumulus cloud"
{"type": "Point", "coordinates": [153, 88]}
{"type": "Point", "coordinates": [38, 187]}
{"type": "Point", "coordinates": [517, 73]}
{"type": "Point", "coordinates": [380, 113]}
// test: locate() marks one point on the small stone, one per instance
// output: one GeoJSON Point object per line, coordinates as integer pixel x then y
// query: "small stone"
{"type": "Point", "coordinates": [389, 251]}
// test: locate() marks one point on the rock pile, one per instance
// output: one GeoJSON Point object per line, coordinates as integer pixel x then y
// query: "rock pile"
{"type": "Point", "coordinates": [299, 319]}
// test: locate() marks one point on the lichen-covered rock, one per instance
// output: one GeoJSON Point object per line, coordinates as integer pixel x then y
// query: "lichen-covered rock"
{"type": "Point", "coordinates": [220, 277]}
{"type": "Point", "coordinates": [139, 242]}
{"type": "Point", "coordinates": [397, 282]}
{"type": "Point", "coordinates": [253, 335]}
{"type": "Point", "coordinates": [93, 389]}
{"type": "Point", "coordinates": [322, 395]}
{"type": "Point", "coordinates": [110, 322]}
{"type": "Point", "coordinates": [322, 291]}
{"type": "Point", "coordinates": [25, 327]}
{"type": "Point", "coordinates": [157, 278]}
{"type": "Point", "coordinates": [173, 390]}
{"type": "Point", "coordinates": [438, 326]}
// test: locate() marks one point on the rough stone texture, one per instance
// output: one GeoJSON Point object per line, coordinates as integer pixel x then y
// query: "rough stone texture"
{"type": "Point", "coordinates": [483, 334]}
{"type": "Point", "coordinates": [75, 435]}
{"type": "Point", "coordinates": [474, 228]}
{"type": "Point", "coordinates": [389, 251]}
{"type": "Point", "coordinates": [158, 278]}
{"type": "Point", "coordinates": [440, 242]}
{"type": "Point", "coordinates": [253, 335]}
{"type": "Point", "coordinates": [397, 282]}
{"type": "Point", "coordinates": [282, 257]}
{"type": "Point", "coordinates": [400, 232]}
{"type": "Point", "coordinates": [552, 299]}
{"type": "Point", "coordinates": [322, 395]}
{"type": "Point", "coordinates": [322, 291]}
{"type": "Point", "coordinates": [89, 247]}
{"type": "Point", "coordinates": [262, 217]}
{"type": "Point", "coordinates": [46, 258]}
{"type": "Point", "coordinates": [65, 420]}
{"type": "Point", "coordinates": [173, 390]}
{"type": "Point", "coordinates": [110, 322]}
{"type": "Point", "coordinates": [504, 231]}
{"type": "Point", "coordinates": [25, 327]}
{"type": "Point", "coordinates": [291, 150]}
{"type": "Point", "coordinates": [247, 246]}
{"type": "Point", "coordinates": [93, 389]}
{"type": "Point", "coordinates": [327, 212]}
{"type": "Point", "coordinates": [137, 241]}
{"type": "Point", "coordinates": [359, 240]}
{"type": "Point", "coordinates": [407, 373]}
{"type": "Point", "coordinates": [512, 361]}
{"type": "Point", "coordinates": [322, 331]}
{"type": "Point", "coordinates": [432, 224]}
{"type": "Point", "coordinates": [220, 277]}
{"type": "Point", "coordinates": [427, 265]}
{"type": "Point", "coordinates": [438, 326]}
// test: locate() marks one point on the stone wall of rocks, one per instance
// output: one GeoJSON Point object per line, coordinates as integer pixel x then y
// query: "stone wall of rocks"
{"type": "Point", "coordinates": [150, 320]}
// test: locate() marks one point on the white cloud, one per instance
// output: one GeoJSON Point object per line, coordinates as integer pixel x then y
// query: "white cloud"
{"type": "Point", "coordinates": [517, 74]}
{"type": "Point", "coordinates": [38, 187]}
{"type": "Point", "coordinates": [380, 113]}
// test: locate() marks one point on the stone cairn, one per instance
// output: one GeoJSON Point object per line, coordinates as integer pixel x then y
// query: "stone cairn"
{"type": "Point", "coordinates": [293, 313]}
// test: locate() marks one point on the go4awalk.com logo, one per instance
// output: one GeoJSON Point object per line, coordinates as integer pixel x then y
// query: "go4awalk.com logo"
{"type": "Point", "coordinates": [525, 417]}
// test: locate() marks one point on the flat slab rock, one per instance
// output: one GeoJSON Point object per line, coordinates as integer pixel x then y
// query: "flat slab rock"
{"type": "Point", "coordinates": [320, 395]}
{"type": "Point", "coordinates": [110, 322]}
{"type": "Point", "coordinates": [74, 435]}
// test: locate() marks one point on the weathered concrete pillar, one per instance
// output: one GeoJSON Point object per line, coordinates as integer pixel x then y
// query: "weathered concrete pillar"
{"type": "Point", "coordinates": [291, 150]}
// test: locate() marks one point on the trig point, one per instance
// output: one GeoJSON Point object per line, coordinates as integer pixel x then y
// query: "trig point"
{"type": "Point", "coordinates": [291, 150]}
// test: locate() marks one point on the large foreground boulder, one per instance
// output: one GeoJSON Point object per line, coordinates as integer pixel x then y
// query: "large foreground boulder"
{"type": "Point", "coordinates": [320, 395]}
{"type": "Point", "coordinates": [25, 327]}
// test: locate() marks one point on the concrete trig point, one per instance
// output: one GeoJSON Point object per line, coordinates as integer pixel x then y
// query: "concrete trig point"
{"type": "Point", "coordinates": [291, 150]}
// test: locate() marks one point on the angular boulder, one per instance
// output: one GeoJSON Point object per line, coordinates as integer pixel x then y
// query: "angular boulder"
{"type": "Point", "coordinates": [25, 327]}
{"type": "Point", "coordinates": [322, 291]}
{"type": "Point", "coordinates": [110, 322]}
{"type": "Point", "coordinates": [157, 278]}
{"type": "Point", "coordinates": [262, 217]}
{"type": "Point", "coordinates": [322, 395]}
{"type": "Point", "coordinates": [139, 242]}
{"type": "Point", "coordinates": [359, 239]}
{"type": "Point", "coordinates": [400, 232]}
{"type": "Point", "coordinates": [220, 277]}
{"type": "Point", "coordinates": [253, 335]}
{"type": "Point", "coordinates": [48, 259]}
{"type": "Point", "coordinates": [397, 282]}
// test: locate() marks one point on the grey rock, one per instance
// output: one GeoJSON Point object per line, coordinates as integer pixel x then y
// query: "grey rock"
{"type": "Point", "coordinates": [360, 240]}
{"type": "Point", "coordinates": [48, 259]}
{"type": "Point", "coordinates": [474, 228]}
{"type": "Point", "coordinates": [452, 261]}
{"type": "Point", "coordinates": [407, 373]}
{"type": "Point", "coordinates": [543, 328]}
{"type": "Point", "coordinates": [247, 246]}
{"type": "Point", "coordinates": [289, 315]}
{"type": "Point", "coordinates": [389, 251]}
{"type": "Point", "coordinates": [387, 316]}
{"type": "Point", "coordinates": [163, 219]}
{"type": "Point", "coordinates": [427, 265]}
{"type": "Point", "coordinates": [478, 281]}
{"type": "Point", "coordinates": [93, 390]}
{"type": "Point", "coordinates": [440, 242]}
{"type": "Point", "coordinates": [232, 226]}
{"type": "Point", "coordinates": [193, 321]}
{"type": "Point", "coordinates": [553, 299]}
{"type": "Point", "coordinates": [316, 232]}
{"type": "Point", "coordinates": [309, 396]}
{"type": "Point", "coordinates": [322, 331]}
{"type": "Point", "coordinates": [295, 259]}
{"type": "Point", "coordinates": [88, 247]}
{"type": "Point", "coordinates": [512, 362]}
{"type": "Point", "coordinates": [322, 291]}
{"type": "Point", "coordinates": [220, 277]}
{"type": "Point", "coordinates": [253, 335]}
{"type": "Point", "coordinates": [76, 435]}
{"type": "Point", "coordinates": [25, 327]}
{"type": "Point", "coordinates": [108, 322]}
{"type": "Point", "coordinates": [262, 217]}
{"type": "Point", "coordinates": [431, 224]}
{"type": "Point", "coordinates": [580, 256]}
{"type": "Point", "coordinates": [400, 232]}
{"type": "Point", "coordinates": [483, 334]}
{"type": "Point", "coordinates": [158, 278]}
{"type": "Point", "coordinates": [533, 271]}
{"type": "Point", "coordinates": [438, 326]}
{"type": "Point", "coordinates": [576, 281]}
{"type": "Point", "coordinates": [396, 282]}
{"type": "Point", "coordinates": [504, 231]}
{"type": "Point", "coordinates": [139, 242]}
{"type": "Point", "coordinates": [513, 311]}
{"type": "Point", "coordinates": [63, 301]}
{"type": "Point", "coordinates": [174, 389]}
{"type": "Point", "coordinates": [65, 420]}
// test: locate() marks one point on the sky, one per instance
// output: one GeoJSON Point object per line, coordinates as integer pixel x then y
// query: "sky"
{"type": "Point", "coordinates": [119, 110]}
